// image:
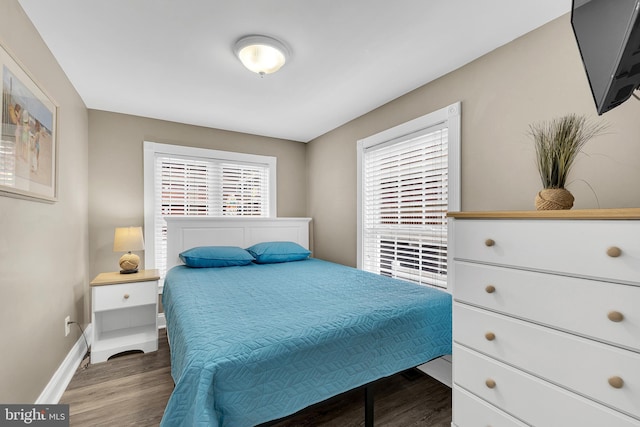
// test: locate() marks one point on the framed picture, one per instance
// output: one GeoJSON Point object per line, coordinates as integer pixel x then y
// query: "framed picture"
{"type": "Point", "coordinates": [28, 142]}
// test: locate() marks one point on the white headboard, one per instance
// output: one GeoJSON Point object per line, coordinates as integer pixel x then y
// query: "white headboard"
{"type": "Point", "coordinates": [184, 232]}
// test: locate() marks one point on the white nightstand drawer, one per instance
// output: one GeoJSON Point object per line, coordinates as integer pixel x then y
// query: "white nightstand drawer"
{"type": "Point", "coordinates": [577, 305]}
{"type": "Point", "coordinates": [534, 401]}
{"type": "Point", "coordinates": [554, 245]}
{"type": "Point", "coordinates": [578, 364]}
{"type": "Point", "coordinates": [478, 413]}
{"type": "Point", "coordinates": [110, 297]}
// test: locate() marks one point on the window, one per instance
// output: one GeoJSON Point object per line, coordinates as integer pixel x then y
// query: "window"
{"type": "Point", "coordinates": [193, 181]}
{"type": "Point", "coordinates": [408, 178]}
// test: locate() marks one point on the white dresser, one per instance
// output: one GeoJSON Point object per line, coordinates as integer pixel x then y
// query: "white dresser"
{"type": "Point", "coordinates": [546, 318]}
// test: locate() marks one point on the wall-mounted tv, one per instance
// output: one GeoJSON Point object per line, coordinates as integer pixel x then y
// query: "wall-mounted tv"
{"type": "Point", "coordinates": [608, 36]}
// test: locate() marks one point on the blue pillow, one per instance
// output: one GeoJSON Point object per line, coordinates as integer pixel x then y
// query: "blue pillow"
{"type": "Point", "coordinates": [271, 252]}
{"type": "Point", "coordinates": [215, 256]}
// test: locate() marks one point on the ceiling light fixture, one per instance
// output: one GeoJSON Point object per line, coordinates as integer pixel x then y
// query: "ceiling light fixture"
{"type": "Point", "coordinates": [261, 54]}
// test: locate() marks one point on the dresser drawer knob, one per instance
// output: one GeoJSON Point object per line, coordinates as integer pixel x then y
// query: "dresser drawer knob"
{"type": "Point", "coordinates": [490, 289]}
{"type": "Point", "coordinates": [614, 252]}
{"type": "Point", "coordinates": [489, 242]}
{"type": "Point", "coordinates": [126, 296]}
{"type": "Point", "coordinates": [615, 316]}
{"type": "Point", "coordinates": [616, 382]}
{"type": "Point", "coordinates": [490, 336]}
{"type": "Point", "coordinates": [490, 383]}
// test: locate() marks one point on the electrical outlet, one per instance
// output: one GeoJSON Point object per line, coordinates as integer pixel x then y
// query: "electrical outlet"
{"type": "Point", "coordinates": [67, 325]}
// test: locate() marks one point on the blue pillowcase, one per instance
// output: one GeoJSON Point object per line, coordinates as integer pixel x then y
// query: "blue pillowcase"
{"type": "Point", "coordinates": [215, 256]}
{"type": "Point", "coordinates": [228, 256]}
{"type": "Point", "coordinates": [272, 252]}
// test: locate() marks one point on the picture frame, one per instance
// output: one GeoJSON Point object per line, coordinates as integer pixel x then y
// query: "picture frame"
{"type": "Point", "coordinates": [28, 135]}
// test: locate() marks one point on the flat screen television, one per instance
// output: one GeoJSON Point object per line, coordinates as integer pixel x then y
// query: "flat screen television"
{"type": "Point", "coordinates": [608, 36]}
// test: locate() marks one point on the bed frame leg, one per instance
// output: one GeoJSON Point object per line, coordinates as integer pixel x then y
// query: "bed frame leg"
{"type": "Point", "coordinates": [368, 405]}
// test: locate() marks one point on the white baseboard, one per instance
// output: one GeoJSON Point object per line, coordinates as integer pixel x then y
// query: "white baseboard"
{"type": "Point", "coordinates": [440, 369]}
{"type": "Point", "coordinates": [62, 377]}
{"type": "Point", "coordinates": [162, 321]}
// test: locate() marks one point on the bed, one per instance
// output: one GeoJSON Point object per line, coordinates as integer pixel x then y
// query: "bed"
{"type": "Point", "coordinates": [258, 342]}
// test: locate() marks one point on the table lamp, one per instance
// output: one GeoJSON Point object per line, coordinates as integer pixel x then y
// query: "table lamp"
{"type": "Point", "coordinates": [128, 239]}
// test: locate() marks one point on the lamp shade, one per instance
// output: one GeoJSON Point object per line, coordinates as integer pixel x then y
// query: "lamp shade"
{"type": "Point", "coordinates": [261, 54]}
{"type": "Point", "coordinates": [128, 239]}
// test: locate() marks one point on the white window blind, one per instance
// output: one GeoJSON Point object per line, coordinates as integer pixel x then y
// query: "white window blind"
{"type": "Point", "coordinates": [190, 185]}
{"type": "Point", "coordinates": [245, 190]}
{"type": "Point", "coordinates": [408, 179]}
{"type": "Point", "coordinates": [405, 200]}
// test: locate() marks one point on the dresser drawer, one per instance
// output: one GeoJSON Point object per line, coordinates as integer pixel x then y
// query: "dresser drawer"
{"type": "Point", "coordinates": [530, 399]}
{"type": "Point", "coordinates": [110, 297]}
{"type": "Point", "coordinates": [577, 305]}
{"type": "Point", "coordinates": [475, 412]}
{"type": "Point", "coordinates": [554, 245]}
{"type": "Point", "coordinates": [581, 365]}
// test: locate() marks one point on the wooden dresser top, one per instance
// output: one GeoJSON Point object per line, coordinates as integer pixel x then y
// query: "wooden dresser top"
{"type": "Point", "coordinates": [618, 213]}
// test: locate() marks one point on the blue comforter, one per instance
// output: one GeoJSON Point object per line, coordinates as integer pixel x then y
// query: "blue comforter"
{"type": "Point", "coordinates": [255, 343]}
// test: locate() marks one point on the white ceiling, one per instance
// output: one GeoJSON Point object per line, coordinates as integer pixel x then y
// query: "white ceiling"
{"type": "Point", "coordinates": [173, 59]}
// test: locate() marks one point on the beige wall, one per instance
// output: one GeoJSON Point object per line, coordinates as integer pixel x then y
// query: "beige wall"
{"type": "Point", "coordinates": [43, 247]}
{"type": "Point", "coordinates": [536, 77]}
{"type": "Point", "coordinates": [116, 175]}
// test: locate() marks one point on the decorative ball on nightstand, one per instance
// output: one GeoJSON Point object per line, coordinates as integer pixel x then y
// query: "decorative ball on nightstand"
{"type": "Point", "coordinates": [129, 263]}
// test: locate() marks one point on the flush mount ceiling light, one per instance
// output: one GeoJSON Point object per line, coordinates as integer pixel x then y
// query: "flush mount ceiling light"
{"type": "Point", "coordinates": [261, 54]}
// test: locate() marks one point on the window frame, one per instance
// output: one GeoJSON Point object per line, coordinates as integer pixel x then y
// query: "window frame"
{"type": "Point", "coordinates": [154, 149]}
{"type": "Point", "coordinates": [448, 116]}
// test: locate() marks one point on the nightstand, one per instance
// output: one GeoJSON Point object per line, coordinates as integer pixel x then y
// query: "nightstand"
{"type": "Point", "coordinates": [124, 313]}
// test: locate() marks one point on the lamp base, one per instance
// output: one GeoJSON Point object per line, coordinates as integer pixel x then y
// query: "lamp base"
{"type": "Point", "coordinates": [129, 263]}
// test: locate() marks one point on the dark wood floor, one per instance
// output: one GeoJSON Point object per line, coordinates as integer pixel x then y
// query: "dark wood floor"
{"type": "Point", "coordinates": [132, 390]}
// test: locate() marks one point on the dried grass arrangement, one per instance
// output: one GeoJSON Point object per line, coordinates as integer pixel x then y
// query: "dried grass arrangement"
{"type": "Point", "coordinates": [557, 145]}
